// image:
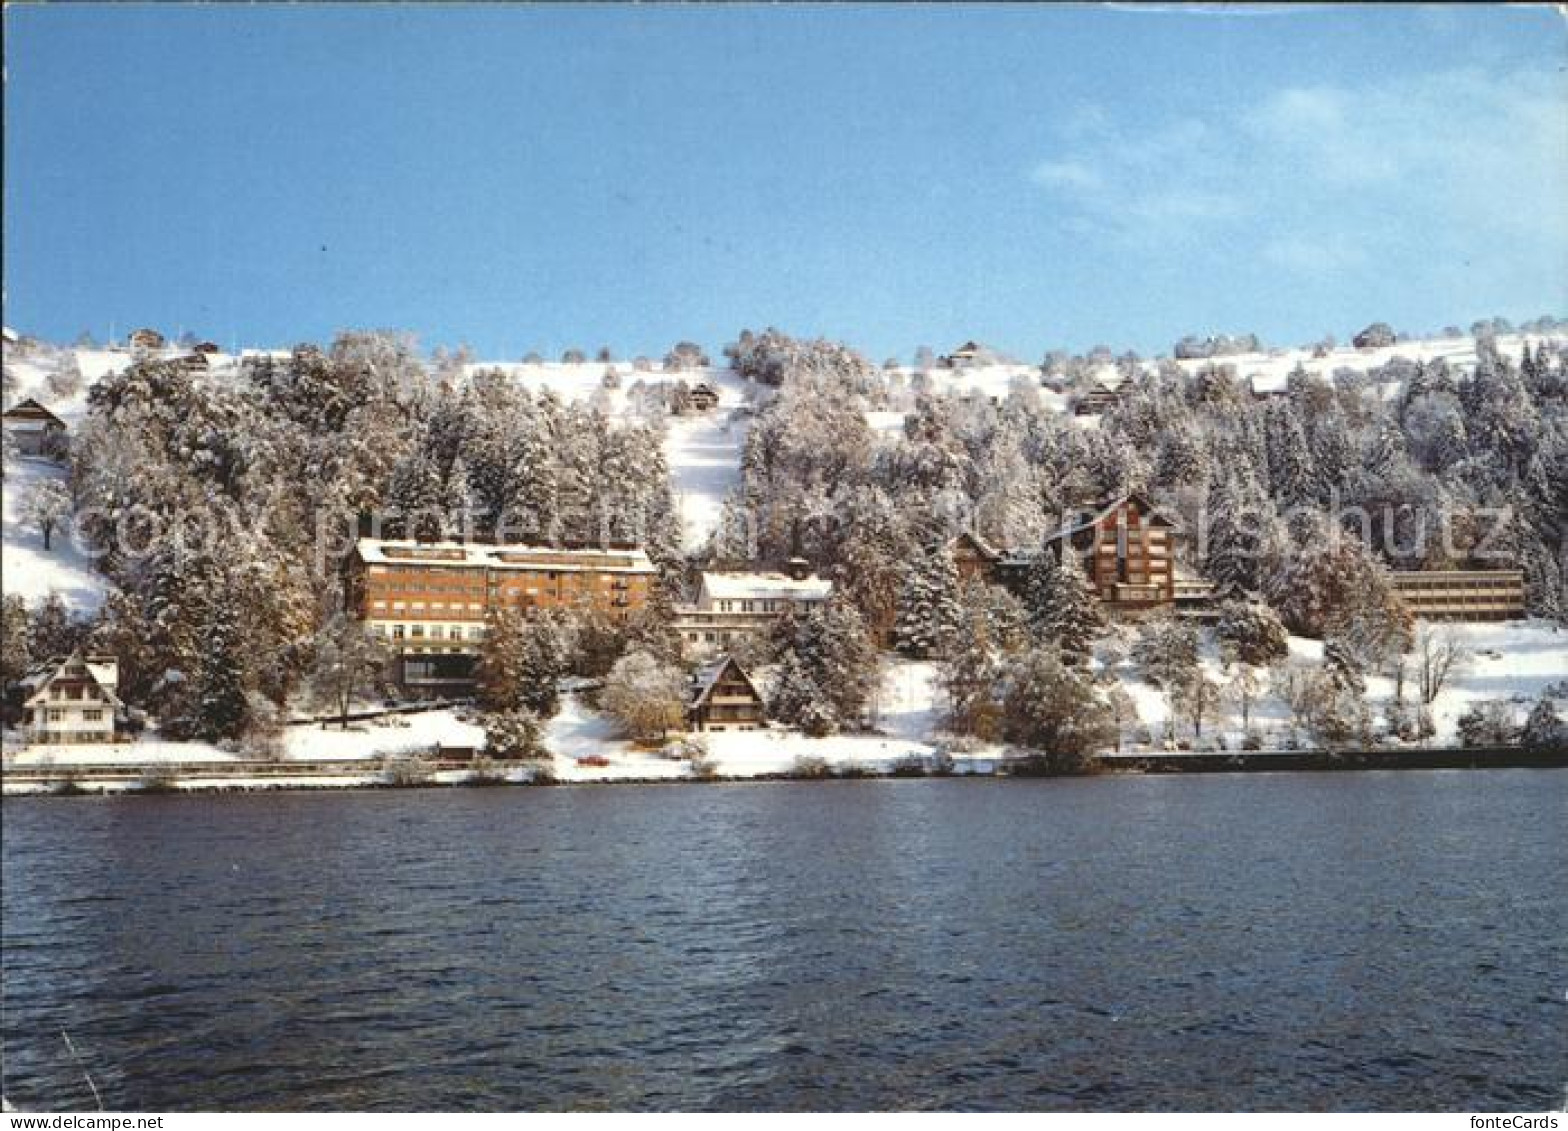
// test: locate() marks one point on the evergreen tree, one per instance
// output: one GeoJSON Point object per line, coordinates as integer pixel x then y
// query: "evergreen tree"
{"type": "Point", "coordinates": [415, 495]}
{"type": "Point", "coordinates": [521, 662]}
{"type": "Point", "coordinates": [1062, 610]}
{"type": "Point", "coordinates": [928, 610]}
{"type": "Point", "coordinates": [219, 706]}
{"type": "Point", "coordinates": [15, 640]}
{"type": "Point", "coordinates": [1291, 469]}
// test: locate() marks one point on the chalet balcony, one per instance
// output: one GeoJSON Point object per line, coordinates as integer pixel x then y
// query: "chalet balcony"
{"type": "Point", "coordinates": [1142, 594]}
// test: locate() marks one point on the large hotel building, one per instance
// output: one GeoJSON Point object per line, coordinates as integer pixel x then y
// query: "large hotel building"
{"type": "Point", "coordinates": [429, 600]}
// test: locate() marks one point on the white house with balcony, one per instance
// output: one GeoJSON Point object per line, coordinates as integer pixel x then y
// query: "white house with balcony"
{"type": "Point", "coordinates": [733, 605]}
{"type": "Point", "coordinates": [74, 700]}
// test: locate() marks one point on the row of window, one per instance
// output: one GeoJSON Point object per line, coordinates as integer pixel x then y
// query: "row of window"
{"type": "Point", "coordinates": [91, 715]}
{"type": "Point", "coordinates": [429, 631]}
{"type": "Point", "coordinates": [757, 605]}
{"type": "Point", "coordinates": [78, 691]}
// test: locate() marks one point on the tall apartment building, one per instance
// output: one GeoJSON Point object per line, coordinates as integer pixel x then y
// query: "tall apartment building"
{"type": "Point", "coordinates": [429, 600]}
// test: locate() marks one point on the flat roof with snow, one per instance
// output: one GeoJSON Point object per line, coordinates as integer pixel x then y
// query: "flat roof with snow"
{"type": "Point", "coordinates": [729, 585]}
{"type": "Point", "coordinates": [504, 556]}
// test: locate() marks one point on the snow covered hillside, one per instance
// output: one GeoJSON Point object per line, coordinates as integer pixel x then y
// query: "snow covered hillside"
{"type": "Point", "coordinates": [29, 569]}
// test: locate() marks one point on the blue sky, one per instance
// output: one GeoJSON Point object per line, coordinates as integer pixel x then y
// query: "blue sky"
{"type": "Point", "coordinates": [535, 178]}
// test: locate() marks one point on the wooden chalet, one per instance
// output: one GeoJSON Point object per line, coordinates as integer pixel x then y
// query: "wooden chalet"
{"type": "Point", "coordinates": [724, 698]}
{"type": "Point", "coordinates": [35, 429]}
{"type": "Point", "coordinates": [74, 700]}
{"type": "Point", "coordinates": [704, 396]}
{"type": "Point", "coordinates": [974, 557]}
{"type": "Point", "coordinates": [1126, 546]}
{"type": "Point", "coordinates": [145, 339]}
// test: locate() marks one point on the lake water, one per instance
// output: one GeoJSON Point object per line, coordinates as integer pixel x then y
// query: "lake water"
{"type": "Point", "coordinates": [1334, 941]}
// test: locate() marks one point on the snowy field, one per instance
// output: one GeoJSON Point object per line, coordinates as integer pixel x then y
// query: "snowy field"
{"type": "Point", "coordinates": [29, 569]}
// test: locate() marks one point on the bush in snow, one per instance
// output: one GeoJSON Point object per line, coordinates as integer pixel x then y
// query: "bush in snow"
{"type": "Point", "coordinates": [1488, 723]}
{"type": "Point", "coordinates": [514, 735]}
{"type": "Point", "coordinates": [809, 766]}
{"type": "Point", "coordinates": [686, 749]}
{"type": "Point", "coordinates": [405, 771]}
{"type": "Point", "coordinates": [646, 696]}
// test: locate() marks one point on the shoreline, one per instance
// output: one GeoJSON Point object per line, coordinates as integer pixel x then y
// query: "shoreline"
{"type": "Point", "coordinates": [160, 779]}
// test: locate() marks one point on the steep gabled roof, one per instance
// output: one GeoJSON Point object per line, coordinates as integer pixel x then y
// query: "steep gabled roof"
{"type": "Point", "coordinates": [707, 677]}
{"type": "Point", "coordinates": [101, 672]}
{"type": "Point", "coordinates": [30, 409]}
{"type": "Point", "coordinates": [985, 548]}
{"type": "Point", "coordinates": [1084, 519]}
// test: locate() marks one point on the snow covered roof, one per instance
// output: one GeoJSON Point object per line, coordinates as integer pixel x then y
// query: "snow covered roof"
{"type": "Point", "coordinates": [1264, 384]}
{"type": "Point", "coordinates": [504, 556]}
{"type": "Point", "coordinates": [1089, 517]}
{"type": "Point", "coordinates": [765, 586]}
{"type": "Point", "coordinates": [103, 671]}
{"type": "Point", "coordinates": [706, 678]}
{"type": "Point", "coordinates": [30, 411]}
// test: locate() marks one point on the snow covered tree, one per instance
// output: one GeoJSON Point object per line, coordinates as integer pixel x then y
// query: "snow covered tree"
{"type": "Point", "coordinates": [1323, 575]}
{"type": "Point", "coordinates": [417, 499]}
{"type": "Point", "coordinates": [46, 505]}
{"type": "Point", "coordinates": [647, 695]}
{"type": "Point", "coordinates": [1166, 650]}
{"type": "Point", "coordinates": [514, 735]}
{"type": "Point", "coordinates": [928, 610]}
{"type": "Point", "coordinates": [521, 661]}
{"type": "Point", "coordinates": [1251, 634]}
{"type": "Point", "coordinates": [349, 660]}
{"type": "Point", "coordinates": [1062, 610]}
{"type": "Point", "coordinates": [15, 642]}
{"type": "Point", "coordinates": [1194, 696]}
{"type": "Point", "coordinates": [1052, 707]}
{"type": "Point", "coordinates": [1439, 656]}
{"type": "Point", "coordinates": [54, 632]}
{"type": "Point", "coordinates": [1488, 723]}
{"type": "Point", "coordinates": [1544, 729]}
{"type": "Point", "coordinates": [219, 706]}
{"type": "Point", "coordinates": [1291, 471]}
{"type": "Point", "coordinates": [829, 662]}
{"type": "Point", "coordinates": [968, 675]}
{"type": "Point", "coordinates": [686, 355]}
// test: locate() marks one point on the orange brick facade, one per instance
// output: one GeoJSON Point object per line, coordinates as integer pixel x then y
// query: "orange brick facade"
{"type": "Point", "coordinates": [433, 600]}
